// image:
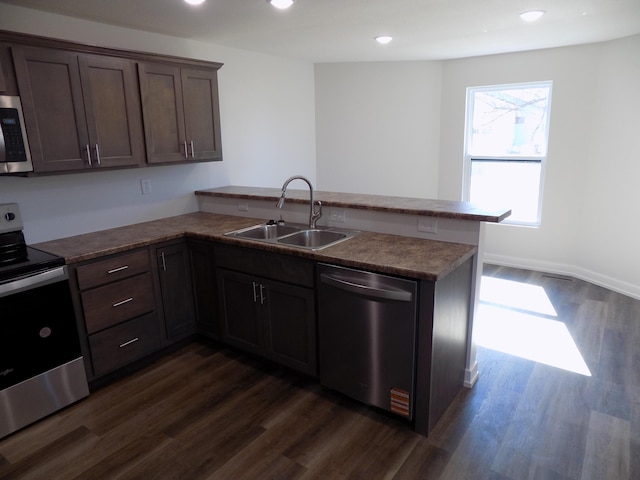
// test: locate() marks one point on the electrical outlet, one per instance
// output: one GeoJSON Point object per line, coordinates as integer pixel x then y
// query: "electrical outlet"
{"type": "Point", "coordinates": [145, 185]}
{"type": "Point", "coordinates": [243, 207]}
{"type": "Point", "coordinates": [428, 225]}
{"type": "Point", "coordinates": [338, 216]}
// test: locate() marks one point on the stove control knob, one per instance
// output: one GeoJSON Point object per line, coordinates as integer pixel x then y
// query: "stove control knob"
{"type": "Point", "coordinates": [10, 216]}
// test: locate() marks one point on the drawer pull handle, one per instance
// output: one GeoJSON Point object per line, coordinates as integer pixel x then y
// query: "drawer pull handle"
{"type": "Point", "coordinates": [133, 340]}
{"type": "Point", "coordinates": [119, 269]}
{"type": "Point", "coordinates": [117, 304]}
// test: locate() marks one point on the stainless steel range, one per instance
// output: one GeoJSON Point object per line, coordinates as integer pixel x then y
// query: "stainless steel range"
{"type": "Point", "coordinates": [41, 367]}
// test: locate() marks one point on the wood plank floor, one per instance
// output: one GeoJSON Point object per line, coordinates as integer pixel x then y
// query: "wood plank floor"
{"type": "Point", "coordinates": [208, 412]}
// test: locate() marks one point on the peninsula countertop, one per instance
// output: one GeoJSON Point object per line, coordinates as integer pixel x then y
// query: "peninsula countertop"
{"type": "Point", "coordinates": [381, 203]}
{"type": "Point", "coordinates": [393, 254]}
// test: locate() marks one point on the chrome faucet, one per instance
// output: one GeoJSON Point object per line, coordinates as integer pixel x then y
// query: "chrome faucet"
{"type": "Point", "coordinates": [314, 214]}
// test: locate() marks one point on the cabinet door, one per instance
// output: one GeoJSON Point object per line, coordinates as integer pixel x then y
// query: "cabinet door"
{"type": "Point", "coordinates": [3, 82]}
{"type": "Point", "coordinates": [202, 114]}
{"type": "Point", "coordinates": [290, 323]}
{"type": "Point", "coordinates": [51, 94]}
{"type": "Point", "coordinates": [163, 113]}
{"type": "Point", "coordinates": [112, 105]}
{"type": "Point", "coordinates": [204, 288]}
{"type": "Point", "coordinates": [240, 311]}
{"type": "Point", "coordinates": [7, 77]}
{"type": "Point", "coordinates": [175, 287]}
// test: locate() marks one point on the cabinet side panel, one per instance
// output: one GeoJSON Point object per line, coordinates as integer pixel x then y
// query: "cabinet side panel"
{"type": "Point", "coordinates": [450, 326]}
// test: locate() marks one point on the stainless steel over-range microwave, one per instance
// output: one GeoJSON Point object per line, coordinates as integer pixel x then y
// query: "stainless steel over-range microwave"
{"type": "Point", "coordinates": [15, 156]}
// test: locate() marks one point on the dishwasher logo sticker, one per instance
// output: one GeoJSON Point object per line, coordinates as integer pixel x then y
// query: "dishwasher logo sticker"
{"type": "Point", "coordinates": [400, 402]}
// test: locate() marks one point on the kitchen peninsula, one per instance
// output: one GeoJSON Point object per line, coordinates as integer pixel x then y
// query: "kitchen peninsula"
{"type": "Point", "coordinates": [445, 268]}
{"type": "Point", "coordinates": [442, 220]}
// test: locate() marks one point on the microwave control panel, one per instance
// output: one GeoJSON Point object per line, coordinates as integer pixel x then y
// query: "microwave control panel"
{"type": "Point", "coordinates": [11, 142]}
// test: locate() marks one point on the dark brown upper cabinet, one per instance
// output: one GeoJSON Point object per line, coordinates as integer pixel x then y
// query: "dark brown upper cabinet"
{"type": "Point", "coordinates": [3, 62]}
{"type": "Point", "coordinates": [181, 113]}
{"type": "Point", "coordinates": [81, 111]}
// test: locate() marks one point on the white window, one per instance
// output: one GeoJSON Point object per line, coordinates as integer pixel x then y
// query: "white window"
{"type": "Point", "coordinates": [506, 147]}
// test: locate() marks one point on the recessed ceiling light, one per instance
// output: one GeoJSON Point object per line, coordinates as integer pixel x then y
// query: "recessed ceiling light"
{"type": "Point", "coordinates": [532, 15]}
{"type": "Point", "coordinates": [383, 39]}
{"type": "Point", "coordinates": [281, 4]}
{"type": "Point", "coordinates": [194, 2]}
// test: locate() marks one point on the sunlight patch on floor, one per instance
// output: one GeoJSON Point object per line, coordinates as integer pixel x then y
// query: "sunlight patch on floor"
{"type": "Point", "coordinates": [519, 319]}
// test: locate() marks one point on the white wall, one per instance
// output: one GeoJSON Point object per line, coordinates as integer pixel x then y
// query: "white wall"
{"type": "Point", "coordinates": [378, 127]}
{"type": "Point", "coordinates": [588, 228]}
{"type": "Point", "coordinates": [573, 71]}
{"type": "Point", "coordinates": [377, 133]}
{"type": "Point", "coordinates": [609, 232]}
{"type": "Point", "coordinates": [268, 133]}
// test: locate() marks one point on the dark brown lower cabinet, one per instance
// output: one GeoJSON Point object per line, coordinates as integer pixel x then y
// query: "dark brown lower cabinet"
{"type": "Point", "coordinates": [129, 308]}
{"type": "Point", "coordinates": [268, 316]}
{"type": "Point", "coordinates": [174, 276]}
{"type": "Point", "coordinates": [122, 344]}
{"type": "Point", "coordinates": [115, 304]}
{"type": "Point", "coordinates": [204, 288]}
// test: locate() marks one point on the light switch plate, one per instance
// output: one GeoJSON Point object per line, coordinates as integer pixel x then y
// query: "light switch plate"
{"type": "Point", "coordinates": [145, 186]}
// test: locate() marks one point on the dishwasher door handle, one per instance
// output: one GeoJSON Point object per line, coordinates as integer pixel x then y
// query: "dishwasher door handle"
{"type": "Point", "coordinates": [398, 295]}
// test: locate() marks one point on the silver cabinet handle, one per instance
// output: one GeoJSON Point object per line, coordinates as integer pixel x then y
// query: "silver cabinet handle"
{"type": "Point", "coordinates": [97, 154]}
{"type": "Point", "coordinates": [89, 155]}
{"type": "Point", "coordinates": [193, 152]}
{"type": "Point", "coordinates": [255, 292]}
{"type": "Point", "coordinates": [164, 263]}
{"type": "Point", "coordinates": [117, 304]}
{"type": "Point", "coordinates": [262, 297]}
{"type": "Point", "coordinates": [119, 269]}
{"type": "Point", "coordinates": [133, 340]}
{"type": "Point", "coordinates": [186, 150]}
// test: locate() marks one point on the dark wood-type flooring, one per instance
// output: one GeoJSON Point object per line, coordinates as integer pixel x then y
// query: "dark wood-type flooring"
{"type": "Point", "coordinates": [208, 412]}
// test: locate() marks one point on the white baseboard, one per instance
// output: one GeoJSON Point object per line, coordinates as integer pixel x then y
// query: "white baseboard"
{"type": "Point", "coordinates": [471, 376]}
{"type": "Point", "coordinates": [610, 283]}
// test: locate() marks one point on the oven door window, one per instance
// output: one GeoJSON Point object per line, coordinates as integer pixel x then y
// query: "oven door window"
{"type": "Point", "coordinates": [37, 332]}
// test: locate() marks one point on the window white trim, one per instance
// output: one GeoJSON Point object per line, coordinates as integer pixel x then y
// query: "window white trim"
{"type": "Point", "coordinates": [468, 158]}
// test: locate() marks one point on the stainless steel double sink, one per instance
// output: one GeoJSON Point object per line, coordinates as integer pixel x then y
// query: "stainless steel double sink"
{"type": "Point", "coordinates": [295, 235]}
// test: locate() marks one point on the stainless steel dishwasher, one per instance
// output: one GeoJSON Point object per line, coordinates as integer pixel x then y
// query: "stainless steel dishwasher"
{"type": "Point", "coordinates": [367, 336]}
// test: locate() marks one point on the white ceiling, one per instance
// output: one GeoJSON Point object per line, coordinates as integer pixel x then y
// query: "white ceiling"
{"type": "Point", "coordinates": [343, 30]}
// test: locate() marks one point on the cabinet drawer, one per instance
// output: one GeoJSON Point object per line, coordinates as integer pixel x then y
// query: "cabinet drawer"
{"type": "Point", "coordinates": [114, 303]}
{"type": "Point", "coordinates": [124, 343]}
{"type": "Point", "coordinates": [112, 269]}
{"type": "Point", "coordinates": [275, 266]}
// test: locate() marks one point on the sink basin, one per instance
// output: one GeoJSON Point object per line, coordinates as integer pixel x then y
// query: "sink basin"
{"type": "Point", "coordinates": [264, 232]}
{"type": "Point", "coordinates": [313, 239]}
{"type": "Point", "coordinates": [294, 235]}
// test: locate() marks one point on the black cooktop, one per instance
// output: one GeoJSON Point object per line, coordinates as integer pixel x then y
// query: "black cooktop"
{"type": "Point", "coordinates": [35, 261]}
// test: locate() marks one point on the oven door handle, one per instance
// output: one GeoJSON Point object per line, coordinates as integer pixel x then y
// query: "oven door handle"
{"type": "Point", "coordinates": [29, 282]}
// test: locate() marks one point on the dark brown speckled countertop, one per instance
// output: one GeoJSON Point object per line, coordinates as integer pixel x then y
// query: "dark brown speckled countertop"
{"type": "Point", "coordinates": [392, 254]}
{"type": "Point", "coordinates": [415, 206]}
